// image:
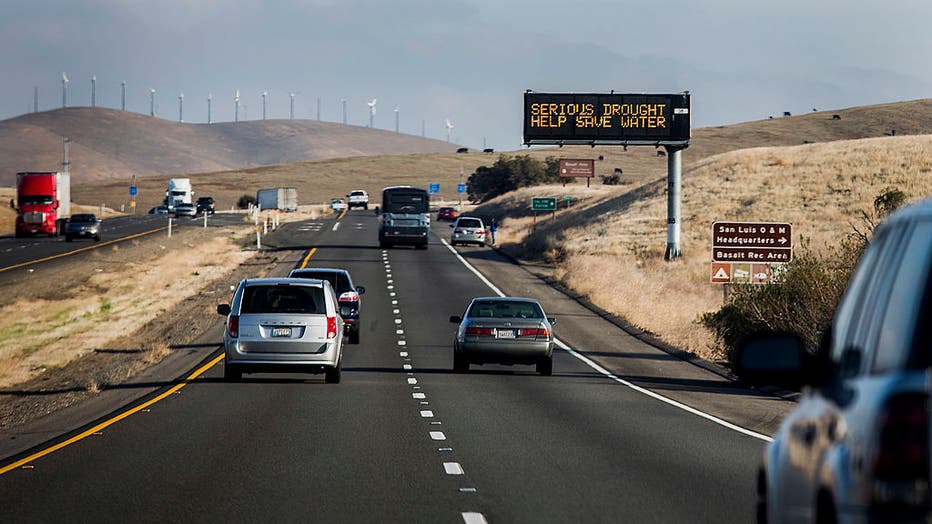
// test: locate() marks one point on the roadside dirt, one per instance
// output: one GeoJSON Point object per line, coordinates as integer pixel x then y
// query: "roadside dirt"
{"type": "Point", "coordinates": [146, 339]}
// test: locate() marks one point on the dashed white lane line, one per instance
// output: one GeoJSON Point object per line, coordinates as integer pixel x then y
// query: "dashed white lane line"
{"type": "Point", "coordinates": [394, 302]}
{"type": "Point", "coordinates": [391, 294]}
{"type": "Point", "coordinates": [437, 435]}
{"type": "Point", "coordinates": [401, 342]}
{"type": "Point", "coordinates": [608, 374]}
{"type": "Point", "coordinates": [412, 381]}
{"type": "Point", "coordinates": [399, 332]}
{"type": "Point", "coordinates": [452, 468]}
{"type": "Point", "coordinates": [418, 395]}
{"type": "Point", "coordinates": [406, 366]}
{"type": "Point", "coordinates": [336, 226]}
{"type": "Point", "coordinates": [398, 321]}
{"type": "Point", "coordinates": [390, 281]}
{"type": "Point", "coordinates": [472, 517]}
{"type": "Point", "coordinates": [396, 311]}
{"type": "Point", "coordinates": [426, 413]}
{"type": "Point", "coordinates": [402, 353]}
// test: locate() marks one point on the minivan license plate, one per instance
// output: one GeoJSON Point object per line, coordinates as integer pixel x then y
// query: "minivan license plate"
{"type": "Point", "coordinates": [281, 332]}
{"type": "Point", "coordinates": [505, 333]}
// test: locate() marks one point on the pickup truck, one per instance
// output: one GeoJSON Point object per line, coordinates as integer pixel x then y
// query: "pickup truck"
{"type": "Point", "coordinates": [358, 198]}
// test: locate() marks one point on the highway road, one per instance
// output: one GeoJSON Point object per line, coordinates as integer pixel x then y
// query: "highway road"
{"type": "Point", "coordinates": [21, 252]}
{"type": "Point", "coordinates": [402, 438]}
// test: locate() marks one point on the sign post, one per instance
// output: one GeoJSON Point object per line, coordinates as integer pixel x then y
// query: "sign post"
{"type": "Point", "coordinates": [617, 119]}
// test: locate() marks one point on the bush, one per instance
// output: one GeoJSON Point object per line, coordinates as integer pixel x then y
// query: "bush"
{"type": "Point", "coordinates": [611, 180]}
{"type": "Point", "coordinates": [245, 200]}
{"type": "Point", "coordinates": [802, 299]}
{"type": "Point", "coordinates": [508, 174]}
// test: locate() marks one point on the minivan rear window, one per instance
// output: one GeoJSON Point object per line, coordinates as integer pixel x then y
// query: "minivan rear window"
{"type": "Point", "coordinates": [283, 299]}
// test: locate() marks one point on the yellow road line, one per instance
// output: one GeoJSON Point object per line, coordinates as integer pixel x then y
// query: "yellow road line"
{"type": "Point", "coordinates": [308, 257]}
{"type": "Point", "coordinates": [343, 214]}
{"type": "Point", "coordinates": [94, 246]}
{"type": "Point", "coordinates": [107, 423]}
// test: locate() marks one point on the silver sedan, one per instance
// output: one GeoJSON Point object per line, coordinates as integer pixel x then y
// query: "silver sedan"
{"type": "Point", "coordinates": [283, 325]}
{"type": "Point", "coordinates": [503, 330]}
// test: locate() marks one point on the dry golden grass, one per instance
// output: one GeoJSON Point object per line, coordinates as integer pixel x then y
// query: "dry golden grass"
{"type": "Point", "coordinates": [611, 248]}
{"type": "Point", "coordinates": [37, 334]}
{"type": "Point", "coordinates": [155, 352]}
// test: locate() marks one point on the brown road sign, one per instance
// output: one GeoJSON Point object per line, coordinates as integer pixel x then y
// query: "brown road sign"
{"type": "Point", "coordinates": [721, 272]}
{"type": "Point", "coordinates": [579, 168]}
{"type": "Point", "coordinates": [752, 242]}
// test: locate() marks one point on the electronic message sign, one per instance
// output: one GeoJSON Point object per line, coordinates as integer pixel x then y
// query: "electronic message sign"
{"type": "Point", "coordinates": [606, 119]}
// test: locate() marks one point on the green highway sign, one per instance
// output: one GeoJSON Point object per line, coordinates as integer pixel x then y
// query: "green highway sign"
{"type": "Point", "coordinates": [544, 204]}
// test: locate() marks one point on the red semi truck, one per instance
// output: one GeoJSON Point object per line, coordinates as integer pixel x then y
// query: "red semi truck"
{"type": "Point", "coordinates": [43, 203]}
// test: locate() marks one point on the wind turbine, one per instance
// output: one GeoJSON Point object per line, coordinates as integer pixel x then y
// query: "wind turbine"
{"type": "Point", "coordinates": [209, 98]}
{"type": "Point", "coordinates": [64, 89]}
{"type": "Point", "coordinates": [449, 129]}
{"type": "Point", "coordinates": [151, 102]}
{"type": "Point", "coordinates": [94, 91]}
{"type": "Point", "coordinates": [292, 104]}
{"type": "Point", "coordinates": [396, 118]}
{"type": "Point", "coordinates": [236, 106]}
{"type": "Point", "coordinates": [181, 107]}
{"type": "Point", "coordinates": [343, 101]}
{"type": "Point", "coordinates": [265, 95]}
{"type": "Point", "coordinates": [371, 105]}
{"type": "Point", "coordinates": [123, 95]}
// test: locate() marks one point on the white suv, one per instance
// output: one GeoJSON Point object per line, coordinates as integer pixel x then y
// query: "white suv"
{"type": "Point", "coordinates": [857, 446]}
{"type": "Point", "coordinates": [358, 198]}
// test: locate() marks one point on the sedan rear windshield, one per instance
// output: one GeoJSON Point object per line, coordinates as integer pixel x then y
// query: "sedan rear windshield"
{"type": "Point", "coordinates": [338, 280]}
{"type": "Point", "coordinates": [83, 218]}
{"type": "Point", "coordinates": [469, 222]}
{"type": "Point", "coordinates": [283, 299]}
{"type": "Point", "coordinates": [505, 309]}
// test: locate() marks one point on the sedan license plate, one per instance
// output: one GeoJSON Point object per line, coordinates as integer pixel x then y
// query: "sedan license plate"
{"type": "Point", "coordinates": [505, 333]}
{"type": "Point", "coordinates": [281, 332]}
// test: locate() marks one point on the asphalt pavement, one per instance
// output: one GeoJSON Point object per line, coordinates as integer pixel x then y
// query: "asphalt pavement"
{"type": "Point", "coordinates": [402, 438]}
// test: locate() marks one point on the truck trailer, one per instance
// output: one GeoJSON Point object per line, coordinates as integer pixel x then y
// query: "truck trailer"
{"type": "Point", "coordinates": [43, 202]}
{"type": "Point", "coordinates": [283, 198]}
{"type": "Point", "coordinates": [179, 192]}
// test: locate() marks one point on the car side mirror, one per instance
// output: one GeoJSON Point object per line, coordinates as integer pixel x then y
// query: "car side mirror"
{"type": "Point", "coordinates": [772, 359]}
{"type": "Point", "coordinates": [360, 290]}
{"type": "Point", "coordinates": [223, 309]}
{"type": "Point", "coordinates": [552, 321]}
{"type": "Point", "coordinates": [345, 311]}
{"type": "Point", "coordinates": [455, 319]}
{"type": "Point", "coordinates": [451, 225]}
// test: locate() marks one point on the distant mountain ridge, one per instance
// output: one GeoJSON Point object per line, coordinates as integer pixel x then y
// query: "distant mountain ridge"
{"type": "Point", "coordinates": [108, 143]}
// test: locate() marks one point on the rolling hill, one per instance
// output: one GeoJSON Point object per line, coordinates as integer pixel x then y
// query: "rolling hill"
{"type": "Point", "coordinates": [108, 144]}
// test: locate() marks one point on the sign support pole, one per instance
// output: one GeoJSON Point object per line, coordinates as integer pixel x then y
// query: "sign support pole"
{"type": "Point", "coordinates": [674, 205]}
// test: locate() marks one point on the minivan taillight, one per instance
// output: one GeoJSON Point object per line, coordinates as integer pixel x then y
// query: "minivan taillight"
{"type": "Point", "coordinates": [233, 326]}
{"type": "Point", "coordinates": [901, 469]}
{"type": "Point", "coordinates": [331, 327]}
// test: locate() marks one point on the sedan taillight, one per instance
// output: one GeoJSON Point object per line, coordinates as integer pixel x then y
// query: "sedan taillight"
{"type": "Point", "coordinates": [233, 326]}
{"type": "Point", "coordinates": [479, 331]}
{"type": "Point", "coordinates": [349, 296]}
{"type": "Point", "coordinates": [331, 327]}
{"type": "Point", "coordinates": [534, 332]}
{"type": "Point", "coordinates": [901, 469]}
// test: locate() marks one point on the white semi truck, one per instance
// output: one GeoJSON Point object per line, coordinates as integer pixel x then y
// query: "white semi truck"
{"type": "Point", "coordinates": [179, 192]}
{"type": "Point", "coordinates": [283, 198]}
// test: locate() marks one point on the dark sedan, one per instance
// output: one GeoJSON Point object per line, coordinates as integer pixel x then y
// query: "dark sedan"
{"type": "Point", "coordinates": [82, 225]}
{"type": "Point", "coordinates": [347, 295]}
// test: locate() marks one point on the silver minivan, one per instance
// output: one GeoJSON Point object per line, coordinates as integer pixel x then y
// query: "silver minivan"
{"type": "Point", "coordinates": [857, 446]}
{"type": "Point", "coordinates": [468, 230]}
{"type": "Point", "coordinates": [283, 325]}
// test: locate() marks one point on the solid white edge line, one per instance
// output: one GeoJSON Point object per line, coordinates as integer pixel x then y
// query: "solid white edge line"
{"type": "Point", "coordinates": [607, 374]}
{"type": "Point", "coordinates": [472, 517]}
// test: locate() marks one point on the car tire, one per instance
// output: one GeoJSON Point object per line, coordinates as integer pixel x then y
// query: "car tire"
{"type": "Point", "coordinates": [97, 238]}
{"type": "Point", "coordinates": [452, 243]}
{"type": "Point", "coordinates": [421, 246]}
{"type": "Point", "coordinates": [384, 245]}
{"type": "Point", "coordinates": [460, 363]}
{"type": "Point", "coordinates": [366, 207]}
{"type": "Point", "coordinates": [68, 238]}
{"type": "Point", "coordinates": [545, 366]}
{"type": "Point", "coordinates": [354, 336]}
{"type": "Point", "coordinates": [231, 373]}
{"type": "Point", "coordinates": [332, 375]}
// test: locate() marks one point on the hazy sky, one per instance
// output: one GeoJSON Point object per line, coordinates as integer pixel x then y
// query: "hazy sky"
{"type": "Point", "coordinates": [466, 60]}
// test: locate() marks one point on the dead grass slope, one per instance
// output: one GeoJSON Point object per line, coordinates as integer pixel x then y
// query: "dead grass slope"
{"type": "Point", "coordinates": [107, 143]}
{"type": "Point", "coordinates": [610, 247]}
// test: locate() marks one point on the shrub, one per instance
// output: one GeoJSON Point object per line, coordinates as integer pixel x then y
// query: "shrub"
{"type": "Point", "coordinates": [245, 200]}
{"type": "Point", "coordinates": [611, 180]}
{"type": "Point", "coordinates": [508, 174]}
{"type": "Point", "coordinates": [802, 299]}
